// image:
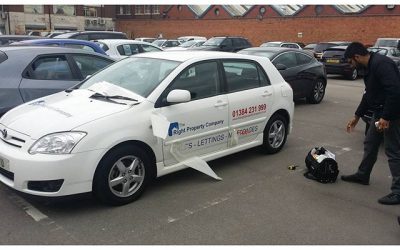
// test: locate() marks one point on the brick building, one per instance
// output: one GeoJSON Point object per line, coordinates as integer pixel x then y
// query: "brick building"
{"type": "Point", "coordinates": [259, 23]}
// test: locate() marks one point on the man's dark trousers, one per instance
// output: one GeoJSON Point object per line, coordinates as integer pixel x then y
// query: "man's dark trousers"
{"type": "Point", "coordinates": [372, 141]}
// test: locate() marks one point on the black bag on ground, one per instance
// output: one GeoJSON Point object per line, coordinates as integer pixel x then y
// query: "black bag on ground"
{"type": "Point", "coordinates": [321, 165]}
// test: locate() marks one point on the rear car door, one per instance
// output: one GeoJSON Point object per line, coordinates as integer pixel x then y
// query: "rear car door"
{"type": "Point", "coordinates": [47, 74]}
{"type": "Point", "coordinates": [198, 127]}
{"type": "Point", "coordinates": [250, 96]}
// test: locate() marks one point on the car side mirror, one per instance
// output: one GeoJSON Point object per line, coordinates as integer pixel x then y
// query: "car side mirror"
{"type": "Point", "coordinates": [88, 76]}
{"type": "Point", "coordinates": [280, 66]}
{"type": "Point", "coordinates": [178, 96]}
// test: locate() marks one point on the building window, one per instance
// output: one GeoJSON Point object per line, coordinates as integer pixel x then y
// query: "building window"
{"type": "Point", "coordinates": [156, 9]}
{"type": "Point", "coordinates": [68, 10]}
{"type": "Point", "coordinates": [147, 9]}
{"type": "Point", "coordinates": [124, 10]}
{"type": "Point", "coordinates": [89, 11]}
{"type": "Point", "coordinates": [33, 9]}
{"type": "Point", "coordinates": [138, 9]}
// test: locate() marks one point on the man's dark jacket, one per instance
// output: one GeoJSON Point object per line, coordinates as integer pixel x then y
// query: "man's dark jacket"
{"type": "Point", "coordinates": [382, 88]}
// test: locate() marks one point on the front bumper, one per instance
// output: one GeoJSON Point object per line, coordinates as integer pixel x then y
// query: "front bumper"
{"type": "Point", "coordinates": [76, 170]}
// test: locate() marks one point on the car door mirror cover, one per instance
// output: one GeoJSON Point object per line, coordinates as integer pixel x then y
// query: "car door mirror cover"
{"type": "Point", "coordinates": [178, 96]}
{"type": "Point", "coordinates": [280, 66]}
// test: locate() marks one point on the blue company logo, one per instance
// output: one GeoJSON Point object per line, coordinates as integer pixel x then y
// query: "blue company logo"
{"type": "Point", "coordinates": [173, 126]}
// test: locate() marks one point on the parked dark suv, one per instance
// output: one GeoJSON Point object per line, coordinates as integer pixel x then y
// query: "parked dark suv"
{"type": "Point", "coordinates": [225, 43]}
{"type": "Point", "coordinates": [93, 35]}
{"type": "Point", "coordinates": [335, 63]}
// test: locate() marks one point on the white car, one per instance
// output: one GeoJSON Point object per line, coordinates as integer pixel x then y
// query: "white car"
{"type": "Point", "coordinates": [281, 44]}
{"type": "Point", "coordinates": [183, 39]}
{"type": "Point", "coordinates": [121, 48]}
{"type": "Point", "coordinates": [187, 45]}
{"type": "Point", "coordinates": [143, 117]}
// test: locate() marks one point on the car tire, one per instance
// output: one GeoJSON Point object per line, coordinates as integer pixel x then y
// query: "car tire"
{"type": "Point", "coordinates": [275, 134]}
{"type": "Point", "coordinates": [317, 92]}
{"type": "Point", "coordinates": [122, 175]}
{"type": "Point", "coordinates": [354, 75]}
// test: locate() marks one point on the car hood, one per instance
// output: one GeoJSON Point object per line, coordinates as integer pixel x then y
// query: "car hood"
{"type": "Point", "coordinates": [61, 112]}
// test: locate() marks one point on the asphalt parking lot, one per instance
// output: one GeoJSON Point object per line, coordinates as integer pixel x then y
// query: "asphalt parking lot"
{"type": "Point", "coordinates": [259, 200]}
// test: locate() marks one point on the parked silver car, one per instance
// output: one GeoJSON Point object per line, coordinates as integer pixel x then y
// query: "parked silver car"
{"type": "Point", "coordinates": [30, 72]}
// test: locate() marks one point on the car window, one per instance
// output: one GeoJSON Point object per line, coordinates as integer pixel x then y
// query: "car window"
{"type": "Point", "coordinates": [149, 48]}
{"type": "Point", "coordinates": [243, 75]}
{"type": "Point", "coordinates": [79, 46]}
{"type": "Point", "coordinates": [103, 46]}
{"type": "Point", "coordinates": [51, 68]}
{"type": "Point", "coordinates": [237, 42]}
{"type": "Point", "coordinates": [227, 42]}
{"type": "Point", "coordinates": [287, 59]}
{"type": "Point", "coordinates": [82, 37]}
{"type": "Point", "coordinates": [303, 59]}
{"type": "Point", "coordinates": [88, 65]}
{"type": "Point", "coordinates": [128, 49]}
{"type": "Point", "coordinates": [201, 80]}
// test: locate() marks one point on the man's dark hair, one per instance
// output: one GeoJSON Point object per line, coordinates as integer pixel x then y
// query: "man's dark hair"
{"type": "Point", "coordinates": [355, 48]}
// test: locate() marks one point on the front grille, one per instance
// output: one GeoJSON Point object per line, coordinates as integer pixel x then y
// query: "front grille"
{"type": "Point", "coordinates": [7, 174]}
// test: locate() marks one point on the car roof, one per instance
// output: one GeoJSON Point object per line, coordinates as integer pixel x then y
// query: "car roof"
{"type": "Point", "coordinates": [337, 48]}
{"type": "Point", "coordinates": [54, 40]}
{"type": "Point", "coordinates": [47, 50]}
{"type": "Point", "coordinates": [121, 41]}
{"type": "Point", "coordinates": [272, 49]}
{"type": "Point", "coordinates": [20, 36]}
{"type": "Point", "coordinates": [182, 56]}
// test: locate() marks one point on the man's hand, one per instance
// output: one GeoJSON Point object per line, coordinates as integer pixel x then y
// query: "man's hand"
{"type": "Point", "coordinates": [352, 123]}
{"type": "Point", "coordinates": [382, 124]}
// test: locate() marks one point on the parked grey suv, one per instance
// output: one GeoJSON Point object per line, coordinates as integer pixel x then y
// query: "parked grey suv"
{"type": "Point", "coordinates": [30, 72]}
{"type": "Point", "coordinates": [225, 43]}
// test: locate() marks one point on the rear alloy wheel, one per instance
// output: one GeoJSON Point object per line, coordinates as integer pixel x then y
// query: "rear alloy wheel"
{"type": "Point", "coordinates": [122, 175]}
{"type": "Point", "coordinates": [317, 93]}
{"type": "Point", "coordinates": [275, 134]}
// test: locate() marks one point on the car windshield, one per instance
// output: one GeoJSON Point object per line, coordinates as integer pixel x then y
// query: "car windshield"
{"type": "Point", "coordinates": [268, 54]}
{"type": "Point", "coordinates": [214, 41]}
{"type": "Point", "coordinates": [270, 44]}
{"type": "Point", "coordinates": [139, 75]}
{"type": "Point", "coordinates": [378, 50]}
{"type": "Point", "coordinates": [158, 42]}
{"type": "Point", "coordinates": [188, 44]}
{"type": "Point", "coordinates": [387, 43]}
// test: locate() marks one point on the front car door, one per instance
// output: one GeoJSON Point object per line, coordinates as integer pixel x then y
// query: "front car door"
{"type": "Point", "coordinates": [250, 97]}
{"type": "Point", "coordinates": [198, 127]}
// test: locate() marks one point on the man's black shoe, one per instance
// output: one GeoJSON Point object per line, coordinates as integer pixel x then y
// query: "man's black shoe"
{"type": "Point", "coordinates": [355, 178]}
{"type": "Point", "coordinates": [390, 199]}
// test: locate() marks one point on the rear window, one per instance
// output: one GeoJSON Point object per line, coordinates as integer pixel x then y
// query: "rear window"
{"type": "Point", "coordinates": [386, 43]}
{"type": "Point", "coordinates": [3, 56]}
{"type": "Point", "coordinates": [334, 53]}
{"type": "Point", "coordinates": [323, 46]}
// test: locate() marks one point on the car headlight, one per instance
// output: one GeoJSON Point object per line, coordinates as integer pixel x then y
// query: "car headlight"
{"type": "Point", "coordinates": [58, 143]}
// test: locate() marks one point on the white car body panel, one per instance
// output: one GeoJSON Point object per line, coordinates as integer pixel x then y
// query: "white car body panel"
{"type": "Point", "coordinates": [109, 124]}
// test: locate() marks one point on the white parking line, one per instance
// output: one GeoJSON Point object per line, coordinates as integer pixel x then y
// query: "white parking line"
{"type": "Point", "coordinates": [28, 208]}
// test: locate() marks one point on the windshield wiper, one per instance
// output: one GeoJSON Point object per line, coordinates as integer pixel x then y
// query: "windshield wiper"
{"type": "Point", "coordinates": [110, 97]}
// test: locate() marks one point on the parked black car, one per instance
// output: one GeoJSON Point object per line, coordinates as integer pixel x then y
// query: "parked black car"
{"type": "Point", "coordinates": [321, 47]}
{"type": "Point", "coordinates": [8, 39]}
{"type": "Point", "coordinates": [335, 63]}
{"type": "Point", "coordinates": [93, 35]}
{"type": "Point", "coordinates": [301, 70]}
{"type": "Point", "coordinates": [30, 72]}
{"type": "Point", "coordinates": [225, 43]}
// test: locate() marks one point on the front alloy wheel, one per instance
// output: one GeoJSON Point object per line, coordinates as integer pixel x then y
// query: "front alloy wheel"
{"type": "Point", "coordinates": [122, 175]}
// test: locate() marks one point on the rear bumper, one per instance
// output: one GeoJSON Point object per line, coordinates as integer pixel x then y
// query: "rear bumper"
{"type": "Point", "coordinates": [341, 69]}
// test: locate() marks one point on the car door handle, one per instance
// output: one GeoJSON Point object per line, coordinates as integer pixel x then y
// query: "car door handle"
{"type": "Point", "coordinates": [267, 93]}
{"type": "Point", "coordinates": [220, 104]}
